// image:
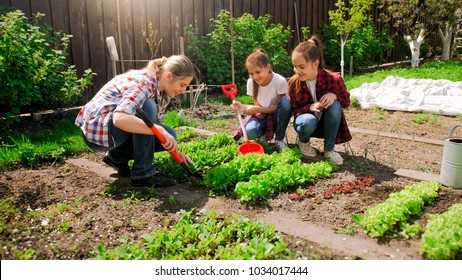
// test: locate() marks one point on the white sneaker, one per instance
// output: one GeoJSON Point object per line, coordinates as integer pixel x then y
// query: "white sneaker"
{"type": "Point", "coordinates": [334, 157]}
{"type": "Point", "coordinates": [306, 149]}
{"type": "Point", "coordinates": [281, 145]}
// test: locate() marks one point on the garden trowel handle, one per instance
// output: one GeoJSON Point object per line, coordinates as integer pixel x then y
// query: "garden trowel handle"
{"type": "Point", "coordinates": [142, 115]}
{"type": "Point", "coordinates": [230, 90]}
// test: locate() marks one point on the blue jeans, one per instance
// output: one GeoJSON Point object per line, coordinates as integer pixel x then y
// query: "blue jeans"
{"type": "Point", "coordinates": [306, 125]}
{"type": "Point", "coordinates": [257, 127]}
{"type": "Point", "coordinates": [139, 147]}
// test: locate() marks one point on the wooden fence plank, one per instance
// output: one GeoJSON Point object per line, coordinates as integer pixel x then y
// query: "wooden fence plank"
{"type": "Point", "coordinates": [42, 7]}
{"type": "Point", "coordinates": [23, 5]}
{"type": "Point", "coordinates": [79, 41]}
{"type": "Point", "coordinates": [97, 41]}
{"type": "Point", "coordinates": [140, 33]}
{"type": "Point", "coordinates": [165, 28]}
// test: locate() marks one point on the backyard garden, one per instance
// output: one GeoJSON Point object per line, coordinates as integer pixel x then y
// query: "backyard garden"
{"type": "Point", "coordinates": [59, 201]}
{"type": "Point", "coordinates": [53, 208]}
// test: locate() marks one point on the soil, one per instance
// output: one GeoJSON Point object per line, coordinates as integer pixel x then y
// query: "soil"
{"type": "Point", "coordinates": [322, 230]}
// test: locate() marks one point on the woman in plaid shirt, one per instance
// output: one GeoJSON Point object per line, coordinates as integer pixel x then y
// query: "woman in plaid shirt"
{"type": "Point", "coordinates": [317, 97]}
{"type": "Point", "coordinates": [108, 120]}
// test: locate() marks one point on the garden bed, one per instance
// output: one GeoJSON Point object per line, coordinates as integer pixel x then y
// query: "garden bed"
{"type": "Point", "coordinates": [85, 207]}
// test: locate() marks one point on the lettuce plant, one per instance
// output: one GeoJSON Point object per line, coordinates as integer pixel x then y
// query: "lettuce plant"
{"type": "Point", "coordinates": [442, 238]}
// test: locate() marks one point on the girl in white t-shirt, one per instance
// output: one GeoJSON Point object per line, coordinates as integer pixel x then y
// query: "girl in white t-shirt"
{"type": "Point", "coordinates": [271, 109]}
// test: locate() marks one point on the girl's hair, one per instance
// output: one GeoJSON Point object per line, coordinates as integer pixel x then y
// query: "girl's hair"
{"type": "Point", "coordinates": [312, 50]}
{"type": "Point", "coordinates": [179, 65]}
{"type": "Point", "coordinates": [259, 58]}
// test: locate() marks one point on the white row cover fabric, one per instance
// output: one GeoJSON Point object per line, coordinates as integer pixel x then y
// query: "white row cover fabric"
{"type": "Point", "coordinates": [414, 95]}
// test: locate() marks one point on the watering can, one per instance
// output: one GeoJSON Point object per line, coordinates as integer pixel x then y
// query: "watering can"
{"type": "Point", "coordinates": [451, 165]}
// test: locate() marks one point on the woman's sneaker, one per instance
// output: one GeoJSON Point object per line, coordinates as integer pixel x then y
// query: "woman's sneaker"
{"type": "Point", "coordinates": [334, 157]}
{"type": "Point", "coordinates": [306, 149]}
{"type": "Point", "coordinates": [281, 145]}
{"type": "Point", "coordinates": [155, 180]}
{"type": "Point", "coordinates": [122, 169]}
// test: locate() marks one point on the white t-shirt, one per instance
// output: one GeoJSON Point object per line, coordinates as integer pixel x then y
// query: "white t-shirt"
{"type": "Point", "coordinates": [268, 95]}
{"type": "Point", "coordinates": [312, 86]}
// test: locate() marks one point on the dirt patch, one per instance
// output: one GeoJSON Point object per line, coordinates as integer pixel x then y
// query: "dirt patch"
{"type": "Point", "coordinates": [323, 230]}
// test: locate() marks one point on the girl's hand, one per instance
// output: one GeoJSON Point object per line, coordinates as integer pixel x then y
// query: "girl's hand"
{"type": "Point", "coordinates": [238, 107]}
{"type": "Point", "coordinates": [185, 158]}
{"type": "Point", "coordinates": [327, 100]}
{"type": "Point", "coordinates": [316, 107]}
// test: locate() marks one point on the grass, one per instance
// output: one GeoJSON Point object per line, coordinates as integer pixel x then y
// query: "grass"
{"type": "Point", "coordinates": [448, 70]}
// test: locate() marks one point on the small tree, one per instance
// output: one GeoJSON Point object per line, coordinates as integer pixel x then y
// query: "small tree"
{"type": "Point", "coordinates": [212, 52]}
{"type": "Point", "coordinates": [445, 15]}
{"type": "Point", "coordinates": [347, 19]}
{"type": "Point", "coordinates": [407, 18]}
{"type": "Point", "coordinates": [34, 73]}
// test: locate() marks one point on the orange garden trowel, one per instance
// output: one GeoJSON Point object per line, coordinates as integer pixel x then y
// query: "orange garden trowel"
{"type": "Point", "coordinates": [248, 147]}
{"type": "Point", "coordinates": [142, 115]}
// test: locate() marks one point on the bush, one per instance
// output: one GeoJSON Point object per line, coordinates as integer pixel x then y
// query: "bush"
{"type": "Point", "coordinates": [365, 44]}
{"type": "Point", "coordinates": [34, 74]}
{"type": "Point", "coordinates": [212, 53]}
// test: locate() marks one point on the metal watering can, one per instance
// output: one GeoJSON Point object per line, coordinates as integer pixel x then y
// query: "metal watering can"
{"type": "Point", "coordinates": [451, 165]}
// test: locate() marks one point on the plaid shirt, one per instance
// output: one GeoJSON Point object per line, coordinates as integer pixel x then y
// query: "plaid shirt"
{"type": "Point", "coordinates": [327, 82]}
{"type": "Point", "coordinates": [124, 93]}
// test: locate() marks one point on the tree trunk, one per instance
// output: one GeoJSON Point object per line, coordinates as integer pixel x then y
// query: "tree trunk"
{"type": "Point", "coordinates": [446, 38]}
{"type": "Point", "coordinates": [342, 56]}
{"type": "Point", "coordinates": [414, 45]}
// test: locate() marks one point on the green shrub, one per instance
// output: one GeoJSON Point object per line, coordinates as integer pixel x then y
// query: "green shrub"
{"type": "Point", "coordinates": [34, 74]}
{"type": "Point", "coordinates": [365, 44]}
{"type": "Point", "coordinates": [212, 53]}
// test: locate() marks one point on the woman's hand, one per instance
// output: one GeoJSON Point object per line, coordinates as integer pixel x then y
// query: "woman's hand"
{"type": "Point", "coordinates": [185, 158]}
{"type": "Point", "coordinates": [170, 142]}
{"type": "Point", "coordinates": [327, 100]}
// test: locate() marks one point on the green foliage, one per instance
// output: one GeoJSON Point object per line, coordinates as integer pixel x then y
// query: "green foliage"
{"type": "Point", "coordinates": [223, 178]}
{"type": "Point", "coordinates": [176, 119]}
{"type": "Point", "coordinates": [34, 73]}
{"type": "Point", "coordinates": [203, 238]}
{"type": "Point", "coordinates": [347, 19]}
{"type": "Point", "coordinates": [262, 186]}
{"type": "Point", "coordinates": [365, 45]}
{"type": "Point", "coordinates": [442, 238]}
{"type": "Point", "coordinates": [212, 53]}
{"type": "Point", "coordinates": [394, 213]}
{"type": "Point", "coordinates": [206, 154]}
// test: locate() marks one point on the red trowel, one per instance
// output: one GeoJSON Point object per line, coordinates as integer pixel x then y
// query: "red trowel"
{"type": "Point", "coordinates": [248, 147]}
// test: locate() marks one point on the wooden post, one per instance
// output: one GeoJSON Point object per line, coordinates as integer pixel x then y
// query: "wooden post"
{"type": "Point", "coordinates": [351, 66]}
{"type": "Point", "coordinates": [181, 45]}
{"type": "Point", "coordinates": [232, 40]}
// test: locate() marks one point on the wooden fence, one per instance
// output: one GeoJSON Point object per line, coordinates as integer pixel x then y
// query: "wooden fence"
{"type": "Point", "coordinates": [90, 22]}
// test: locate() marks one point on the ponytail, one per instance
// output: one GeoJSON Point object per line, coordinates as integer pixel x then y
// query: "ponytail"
{"type": "Point", "coordinates": [179, 65]}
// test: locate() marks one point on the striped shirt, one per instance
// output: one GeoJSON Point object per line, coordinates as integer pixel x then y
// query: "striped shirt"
{"type": "Point", "coordinates": [124, 93]}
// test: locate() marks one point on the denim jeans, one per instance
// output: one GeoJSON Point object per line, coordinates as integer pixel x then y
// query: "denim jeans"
{"type": "Point", "coordinates": [139, 147]}
{"type": "Point", "coordinates": [257, 127]}
{"type": "Point", "coordinates": [306, 125]}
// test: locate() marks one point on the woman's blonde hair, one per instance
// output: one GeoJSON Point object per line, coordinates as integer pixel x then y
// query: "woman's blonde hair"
{"type": "Point", "coordinates": [261, 59]}
{"type": "Point", "coordinates": [312, 50]}
{"type": "Point", "coordinates": [179, 65]}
